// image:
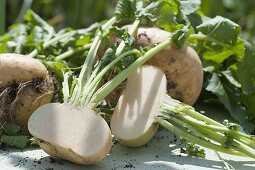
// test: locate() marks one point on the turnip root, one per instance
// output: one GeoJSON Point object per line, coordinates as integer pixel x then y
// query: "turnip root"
{"type": "Point", "coordinates": [25, 85]}
{"type": "Point", "coordinates": [63, 131]}
{"type": "Point", "coordinates": [144, 104]}
{"type": "Point", "coordinates": [182, 67]}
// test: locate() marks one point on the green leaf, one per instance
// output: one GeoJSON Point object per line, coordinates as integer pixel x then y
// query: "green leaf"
{"type": "Point", "coordinates": [230, 98]}
{"type": "Point", "coordinates": [18, 40]}
{"type": "Point", "coordinates": [228, 75]}
{"type": "Point", "coordinates": [249, 101]}
{"type": "Point", "coordinates": [56, 68]}
{"type": "Point", "coordinates": [3, 47]}
{"type": "Point", "coordinates": [189, 6]}
{"type": "Point", "coordinates": [84, 40]}
{"type": "Point", "coordinates": [218, 56]}
{"type": "Point", "coordinates": [149, 11]}
{"type": "Point", "coordinates": [11, 129]}
{"type": "Point", "coordinates": [215, 85]}
{"type": "Point", "coordinates": [124, 35]}
{"type": "Point", "coordinates": [37, 34]}
{"type": "Point", "coordinates": [35, 19]}
{"type": "Point", "coordinates": [16, 141]}
{"type": "Point", "coordinates": [18, 29]}
{"type": "Point", "coordinates": [179, 37]}
{"type": "Point", "coordinates": [220, 53]}
{"type": "Point", "coordinates": [246, 69]}
{"type": "Point", "coordinates": [220, 28]}
{"type": "Point", "coordinates": [125, 8]}
{"type": "Point", "coordinates": [5, 37]}
{"type": "Point", "coordinates": [167, 16]}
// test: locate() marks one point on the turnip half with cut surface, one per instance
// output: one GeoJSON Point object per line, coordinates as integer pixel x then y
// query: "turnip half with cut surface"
{"type": "Point", "coordinates": [63, 131]}
{"type": "Point", "coordinates": [144, 105]}
{"type": "Point", "coordinates": [134, 116]}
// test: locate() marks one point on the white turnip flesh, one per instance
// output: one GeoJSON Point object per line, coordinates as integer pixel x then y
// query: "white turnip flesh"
{"type": "Point", "coordinates": [133, 118]}
{"type": "Point", "coordinates": [65, 132]}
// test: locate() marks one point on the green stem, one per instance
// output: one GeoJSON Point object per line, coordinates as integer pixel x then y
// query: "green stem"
{"type": "Point", "coordinates": [132, 30]}
{"type": "Point", "coordinates": [112, 84]}
{"type": "Point", "coordinates": [118, 56]}
{"type": "Point", "coordinates": [201, 125]}
{"type": "Point", "coordinates": [53, 41]}
{"type": "Point", "coordinates": [194, 139]}
{"type": "Point", "coordinates": [213, 124]}
{"type": "Point", "coordinates": [185, 115]}
{"type": "Point", "coordinates": [105, 70]}
{"type": "Point", "coordinates": [202, 120]}
{"type": "Point", "coordinates": [65, 84]}
{"type": "Point", "coordinates": [239, 146]}
{"type": "Point", "coordinates": [87, 66]}
{"type": "Point", "coordinates": [72, 52]}
{"type": "Point", "coordinates": [200, 132]}
{"type": "Point", "coordinates": [183, 124]}
{"type": "Point", "coordinates": [101, 62]}
{"type": "Point", "coordinates": [86, 70]}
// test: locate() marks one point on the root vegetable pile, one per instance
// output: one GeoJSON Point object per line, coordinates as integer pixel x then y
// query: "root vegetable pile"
{"type": "Point", "coordinates": [164, 75]}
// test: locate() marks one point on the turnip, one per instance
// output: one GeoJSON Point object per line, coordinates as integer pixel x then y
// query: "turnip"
{"type": "Point", "coordinates": [76, 133]}
{"type": "Point", "coordinates": [127, 124]}
{"type": "Point", "coordinates": [80, 136]}
{"type": "Point", "coordinates": [182, 67]}
{"type": "Point", "coordinates": [144, 104]}
{"type": "Point", "coordinates": [24, 86]}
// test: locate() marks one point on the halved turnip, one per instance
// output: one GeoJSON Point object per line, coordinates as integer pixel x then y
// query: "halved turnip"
{"type": "Point", "coordinates": [144, 104]}
{"type": "Point", "coordinates": [65, 132]}
{"type": "Point", "coordinates": [133, 118]}
{"type": "Point", "coordinates": [24, 86]}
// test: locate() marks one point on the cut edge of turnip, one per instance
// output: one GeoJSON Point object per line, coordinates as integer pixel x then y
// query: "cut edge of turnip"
{"type": "Point", "coordinates": [133, 120]}
{"type": "Point", "coordinates": [62, 131]}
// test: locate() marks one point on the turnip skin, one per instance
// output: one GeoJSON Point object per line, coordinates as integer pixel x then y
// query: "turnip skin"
{"type": "Point", "coordinates": [184, 73]}
{"type": "Point", "coordinates": [183, 68]}
{"type": "Point", "coordinates": [29, 98]}
{"type": "Point", "coordinates": [17, 68]}
{"type": "Point", "coordinates": [63, 131]}
{"type": "Point", "coordinates": [132, 125]}
{"type": "Point", "coordinates": [25, 85]}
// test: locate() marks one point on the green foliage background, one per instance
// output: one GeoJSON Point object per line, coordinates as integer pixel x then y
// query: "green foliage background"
{"type": "Point", "coordinates": [82, 13]}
